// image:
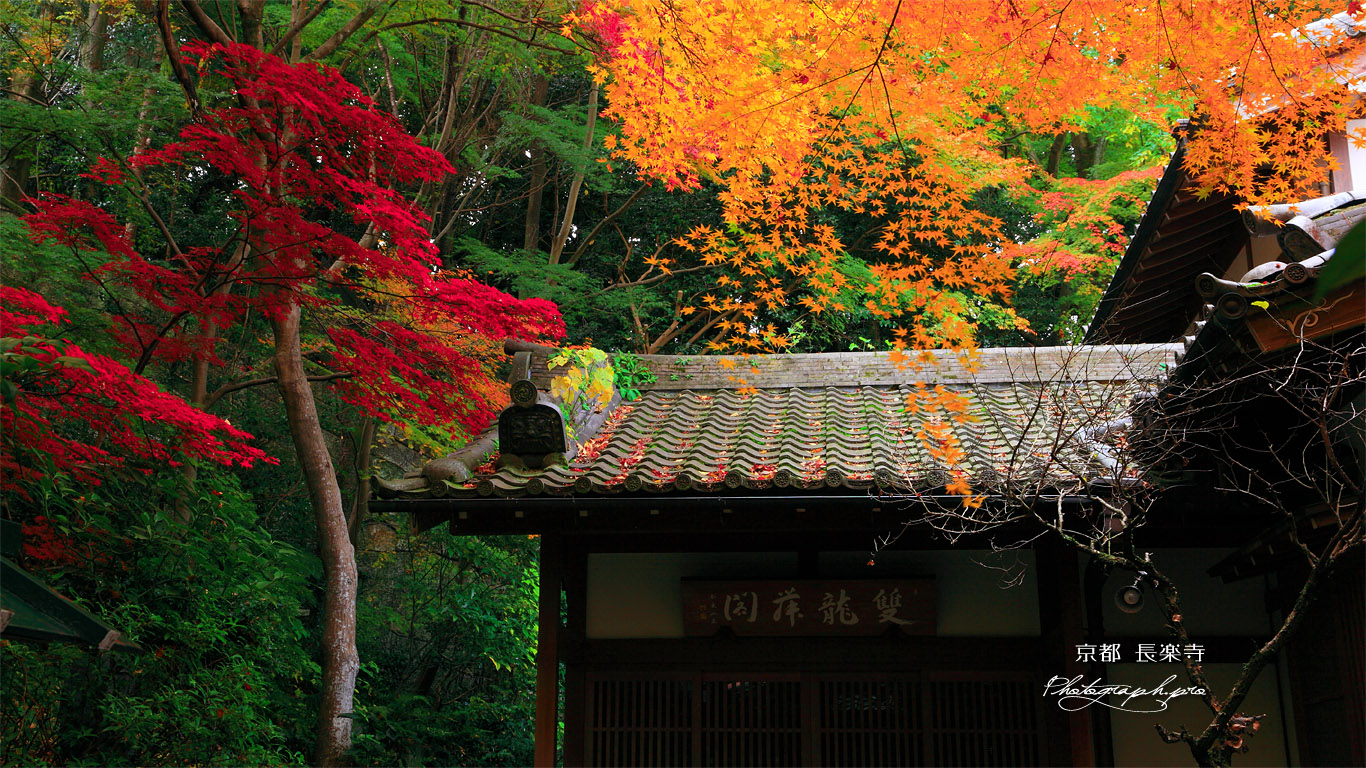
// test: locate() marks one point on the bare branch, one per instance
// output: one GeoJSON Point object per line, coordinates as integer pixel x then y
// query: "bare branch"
{"type": "Point", "coordinates": [228, 389]}
{"type": "Point", "coordinates": [297, 27]}
{"type": "Point", "coordinates": [345, 33]}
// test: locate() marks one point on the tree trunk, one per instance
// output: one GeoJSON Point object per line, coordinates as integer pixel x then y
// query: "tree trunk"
{"type": "Point", "coordinates": [199, 372]}
{"type": "Point", "coordinates": [341, 663]}
{"type": "Point", "coordinates": [296, 46]}
{"type": "Point", "coordinates": [142, 136]}
{"type": "Point", "coordinates": [1083, 150]}
{"type": "Point", "coordinates": [1055, 153]}
{"type": "Point", "coordinates": [96, 34]}
{"type": "Point", "coordinates": [26, 86]}
{"type": "Point", "coordinates": [531, 237]}
{"type": "Point", "coordinates": [389, 78]}
{"type": "Point", "coordinates": [360, 502]}
{"type": "Point", "coordinates": [252, 13]}
{"type": "Point", "coordinates": [557, 247]}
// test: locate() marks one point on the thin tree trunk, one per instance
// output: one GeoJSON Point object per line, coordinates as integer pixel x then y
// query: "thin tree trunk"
{"type": "Point", "coordinates": [296, 46]}
{"type": "Point", "coordinates": [91, 59]}
{"type": "Point", "coordinates": [587, 240]}
{"type": "Point", "coordinates": [389, 78]}
{"type": "Point", "coordinates": [142, 136]}
{"type": "Point", "coordinates": [341, 662]}
{"type": "Point", "coordinates": [531, 237]}
{"type": "Point", "coordinates": [360, 502]}
{"type": "Point", "coordinates": [557, 247]}
{"type": "Point", "coordinates": [96, 33]}
{"type": "Point", "coordinates": [342, 35]}
{"type": "Point", "coordinates": [433, 193]}
{"type": "Point", "coordinates": [199, 374]}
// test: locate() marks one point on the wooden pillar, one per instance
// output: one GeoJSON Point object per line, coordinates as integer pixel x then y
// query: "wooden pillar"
{"type": "Point", "coordinates": [548, 650]}
{"type": "Point", "coordinates": [1062, 619]}
{"type": "Point", "coordinates": [572, 651]}
{"type": "Point", "coordinates": [1102, 734]}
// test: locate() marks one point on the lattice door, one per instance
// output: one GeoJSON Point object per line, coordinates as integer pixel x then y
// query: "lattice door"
{"type": "Point", "coordinates": [870, 722]}
{"type": "Point", "coordinates": [750, 722]}
{"type": "Point", "coordinates": [830, 720]}
{"type": "Point", "coordinates": [984, 722]}
{"type": "Point", "coordinates": [637, 722]}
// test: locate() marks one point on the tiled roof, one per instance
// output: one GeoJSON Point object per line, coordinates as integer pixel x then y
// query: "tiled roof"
{"type": "Point", "coordinates": [1181, 235]}
{"type": "Point", "coordinates": [831, 422]}
{"type": "Point", "coordinates": [1272, 305]}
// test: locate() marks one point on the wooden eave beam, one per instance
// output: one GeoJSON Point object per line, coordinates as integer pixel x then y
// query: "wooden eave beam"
{"type": "Point", "coordinates": [1183, 228]}
{"type": "Point", "coordinates": [1192, 241]}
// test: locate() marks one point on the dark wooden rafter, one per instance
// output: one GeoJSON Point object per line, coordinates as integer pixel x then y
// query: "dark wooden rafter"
{"type": "Point", "coordinates": [1177, 225]}
{"type": "Point", "coordinates": [1195, 242]}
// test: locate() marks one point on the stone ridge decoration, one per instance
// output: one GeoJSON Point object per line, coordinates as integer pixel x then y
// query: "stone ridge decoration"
{"type": "Point", "coordinates": [805, 608]}
{"type": "Point", "coordinates": [531, 431]}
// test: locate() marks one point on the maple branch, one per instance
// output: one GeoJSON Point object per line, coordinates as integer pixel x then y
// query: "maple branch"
{"type": "Point", "coordinates": [145, 359]}
{"type": "Point", "coordinates": [604, 222]}
{"type": "Point", "coordinates": [298, 27]}
{"type": "Point", "coordinates": [497, 12]}
{"type": "Point", "coordinates": [99, 280]}
{"type": "Point", "coordinates": [1270, 63]}
{"type": "Point", "coordinates": [501, 31]}
{"type": "Point", "coordinates": [201, 19]}
{"type": "Point", "coordinates": [891, 113]}
{"type": "Point", "coordinates": [1171, 49]}
{"type": "Point", "coordinates": [723, 317]}
{"type": "Point", "coordinates": [24, 96]}
{"type": "Point", "coordinates": [868, 70]}
{"type": "Point", "coordinates": [652, 280]}
{"type": "Point", "coordinates": [557, 247]}
{"type": "Point", "coordinates": [182, 75]}
{"type": "Point", "coordinates": [345, 33]}
{"type": "Point", "coordinates": [228, 389]}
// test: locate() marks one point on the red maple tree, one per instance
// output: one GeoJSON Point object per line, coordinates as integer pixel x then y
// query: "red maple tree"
{"type": "Point", "coordinates": [320, 228]}
{"type": "Point", "coordinates": [69, 411]}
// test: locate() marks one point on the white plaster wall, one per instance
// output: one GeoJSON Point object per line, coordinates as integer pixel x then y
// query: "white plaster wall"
{"type": "Point", "coordinates": [1135, 738]}
{"type": "Point", "coordinates": [638, 595]}
{"type": "Point", "coordinates": [1349, 150]}
{"type": "Point", "coordinates": [1210, 606]}
{"type": "Point", "coordinates": [978, 593]}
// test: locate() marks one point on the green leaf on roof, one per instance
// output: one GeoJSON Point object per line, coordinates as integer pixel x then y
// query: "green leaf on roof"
{"type": "Point", "coordinates": [1348, 264]}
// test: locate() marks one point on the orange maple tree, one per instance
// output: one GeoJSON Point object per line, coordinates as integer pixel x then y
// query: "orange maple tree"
{"type": "Point", "coordinates": [897, 110]}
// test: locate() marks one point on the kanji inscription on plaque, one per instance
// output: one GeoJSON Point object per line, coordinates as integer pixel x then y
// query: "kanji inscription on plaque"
{"type": "Point", "coordinates": [809, 607]}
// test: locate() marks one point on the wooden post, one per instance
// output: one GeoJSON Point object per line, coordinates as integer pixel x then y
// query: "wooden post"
{"type": "Point", "coordinates": [1062, 620]}
{"type": "Point", "coordinates": [547, 651]}
{"type": "Point", "coordinates": [1102, 734]}
{"type": "Point", "coordinates": [575, 569]}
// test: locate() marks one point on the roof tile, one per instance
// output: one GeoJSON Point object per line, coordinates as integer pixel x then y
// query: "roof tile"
{"type": "Point", "coordinates": [1024, 410]}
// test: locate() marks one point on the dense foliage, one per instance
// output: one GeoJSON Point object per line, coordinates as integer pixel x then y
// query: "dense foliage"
{"type": "Point", "coordinates": [378, 193]}
{"type": "Point", "coordinates": [903, 114]}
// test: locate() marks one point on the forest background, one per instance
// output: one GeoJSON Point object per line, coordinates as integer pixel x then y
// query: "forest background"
{"type": "Point", "coordinates": [152, 453]}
